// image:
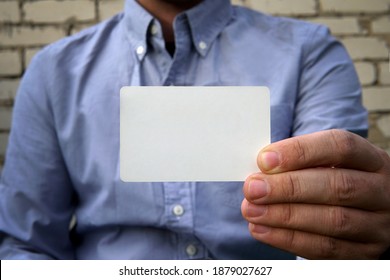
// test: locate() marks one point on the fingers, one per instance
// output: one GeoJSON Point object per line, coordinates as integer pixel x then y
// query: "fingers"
{"type": "Point", "coordinates": [332, 148]}
{"type": "Point", "coordinates": [328, 186]}
{"type": "Point", "coordinates": [322, 195]}
{"type": "Point", "coordinates": [313, 246]}
{"type": "Point", "coordinates": [320, 212]}
{"type": "Point", "coordinates": [332, 221]}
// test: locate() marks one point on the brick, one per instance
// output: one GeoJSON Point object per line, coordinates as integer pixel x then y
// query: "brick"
{"type": "Point", "coordinates": [366, 48]}
{"type": "Point", "coordinates": [8, 89]}
{"type": "Point", "coordinates": [25, 36]}
{"type": "Point", "coordinates": [238, 2]}
{"type": "Point", "coordinates": [381, 25]}
{"type": "Point", "coordinates": [355, 6]}
{"type": "Point", "coordinates": [384, 124]}
{"type": "Point", "coordinates": [375, 135]}
{"type": "Point", "coordinates": [5, 117]}
{"type": "Point", "coordinates": [376, 99]}
{"type": "Point", "coordinates": [340, 26]}
{"type": "Point", "coordinates": [366, 72]}
{"type": "Point", "coordinates": [10, 63]}
{"type": "Point", "coordinates": [29, 54]}
{"type": "Point", "coordinates": [3, 143]}
{"type": "Point", "coordinates": [384, 73]}
{"type": "Point", "coordinates": [9, 11]}
{"type": "Point", "coordinates": [58, 11]}
{"type": "Point", "coordinates": [283, 7]}
{"type": "Point", "coordinates": [109, 8]}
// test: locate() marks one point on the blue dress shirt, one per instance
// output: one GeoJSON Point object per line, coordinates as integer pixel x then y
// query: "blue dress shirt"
{"type": "Point", "coordinates": [63, 154]}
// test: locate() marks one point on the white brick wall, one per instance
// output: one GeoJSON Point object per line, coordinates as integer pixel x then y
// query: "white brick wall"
{"type": "Point", "coordinates": [384, 125]}
{"type": "Point", "coordinates": [9, 11]}
{"type": "Point", "coordinates": [10, 63]}
{"type": "Point", "coordinates": [366, 48]}
{"type": "Point", "coordinates": [8, 88]}
{"type": "Point", "coordinates": [5, 118]}
{"type": "Point", "coordinates": [108, 8]}
{"type": "Point", "coordinates": [283, 7]}
{"type": "Point", "coordinates": [377, 99]}
{"type": "Point", "coordinates": [362, 25]}
{"type": "Point", "coordinates": [25, 36]}
{"type": "Point", "coordinates": [56, 11]}
{"type": "Point", "coordinates": [366, 72]}
{"type": "Point", "coordinates": [384, 73]}
{"type": "Point", "coordinates": [340, 26]}
{"type": "Point", "coordinates": [354, 6]}
{"type": "Point", "coordinates": [3, 143]}
{"type": "Point", "coordinates": [381, 25]}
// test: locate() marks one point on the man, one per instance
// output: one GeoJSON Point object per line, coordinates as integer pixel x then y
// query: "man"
{"type": "Point", "coordinates": [320, 194]}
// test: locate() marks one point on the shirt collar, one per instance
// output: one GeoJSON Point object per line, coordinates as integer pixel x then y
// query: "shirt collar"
{"type": "Point", "coordinates": [206, 21]}
{"type": "Point", "coordinates": [137, 21]}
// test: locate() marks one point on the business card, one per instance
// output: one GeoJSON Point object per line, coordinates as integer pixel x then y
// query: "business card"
{"type": "Point", "coordinates": [178, 134]}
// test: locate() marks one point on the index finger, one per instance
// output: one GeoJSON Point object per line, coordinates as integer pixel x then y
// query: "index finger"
{"type": "Point", "coordinates": [331, 148]}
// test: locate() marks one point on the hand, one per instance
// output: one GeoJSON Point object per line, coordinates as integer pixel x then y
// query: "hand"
{"type": "Point", "coordinates": [324, 195]}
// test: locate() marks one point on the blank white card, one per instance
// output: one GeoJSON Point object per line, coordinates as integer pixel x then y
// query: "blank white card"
{"type": "Point", "coordinates": [176, 134]}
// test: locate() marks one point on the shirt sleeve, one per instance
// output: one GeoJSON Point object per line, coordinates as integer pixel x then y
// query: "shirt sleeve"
{"type": "Point", "coordinates": [329, 90]}
{"type": "Point", "coordinates": [36, 193]}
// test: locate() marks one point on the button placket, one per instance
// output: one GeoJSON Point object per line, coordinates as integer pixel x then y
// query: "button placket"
{"type": "Point", "coordinates": [178, 206]}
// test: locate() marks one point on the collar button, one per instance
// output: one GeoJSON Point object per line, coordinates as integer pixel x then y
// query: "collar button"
{"type": "Point", "coordinates": [202, 45]}
{"type": "Point", "coordinates": [140, 50]}
{"type": "Point", "coordinates": [154, 29]}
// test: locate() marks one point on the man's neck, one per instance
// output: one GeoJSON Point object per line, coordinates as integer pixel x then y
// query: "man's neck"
{"type": "Point", "coordinates": [165, 12]}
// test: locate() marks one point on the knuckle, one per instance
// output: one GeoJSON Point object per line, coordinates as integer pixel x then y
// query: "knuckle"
{"type": "Point", "coordinates": [287, 214]}
{"type": "Point", "coordinates": [344, 187]}
{"type": "Point", "coordinates": [345, 143]}
{"type": "Point", "coordinates": [290, 241]}
{"type": "Point", "coordinates": [328, 248]}
{"type": "Point", "coordinates": [290, 186]}
{"type": "Point", "coordinates": [299, 150]}
{"type": "Point", "coordinates": [339, 220]}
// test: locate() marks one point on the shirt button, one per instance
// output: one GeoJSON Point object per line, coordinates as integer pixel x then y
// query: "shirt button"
{"type": "Point", "coordinates": [140, 50]}
{"type": "Point", "coordinates": [154, 29]}
{"type": "Point", "coordinates": [202, 45]}
{"type": "Point", "coordinates": [178, 210]}
{"type": "Point", "coordinates": [191, 250]}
